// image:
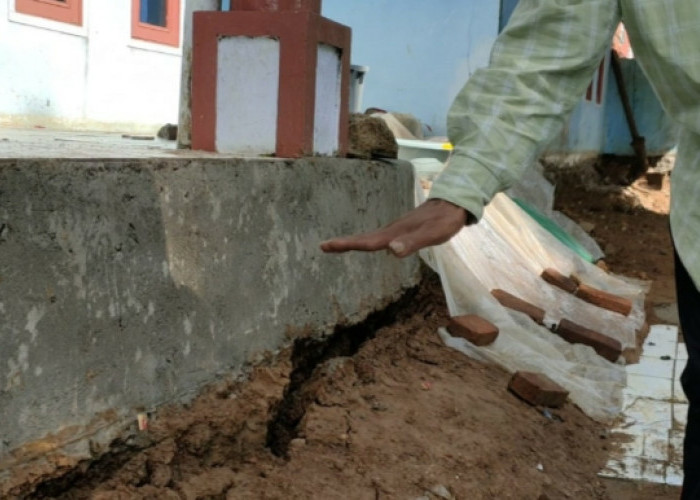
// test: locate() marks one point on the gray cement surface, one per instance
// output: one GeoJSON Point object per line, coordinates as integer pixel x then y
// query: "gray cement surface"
{"type": "Point", "coordinates": [126, 284]}
{"type": "Point", "coordinates": [64, 144]}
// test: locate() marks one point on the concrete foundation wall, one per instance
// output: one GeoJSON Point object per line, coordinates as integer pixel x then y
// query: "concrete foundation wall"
{"type": "Point", "coordinates": [126, 284]}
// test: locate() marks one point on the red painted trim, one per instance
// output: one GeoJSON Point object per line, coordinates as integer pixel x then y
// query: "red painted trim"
{"type": "Point", "coordinates": [166, 35]}
{"type": "Point", "coordinates": [599, 86]}
{"type": "Point", "coordinates": [278, 5]}
{"type": "Point", "coordinates": [70, 11]}
{"type": "Point", "coordinates": [299, 34]}
{"type": "Point", "coordinates": [297, 92]}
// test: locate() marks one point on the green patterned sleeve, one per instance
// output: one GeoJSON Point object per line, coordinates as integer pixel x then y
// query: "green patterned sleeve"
{"type": "Point", "coordinates": [505, 114]}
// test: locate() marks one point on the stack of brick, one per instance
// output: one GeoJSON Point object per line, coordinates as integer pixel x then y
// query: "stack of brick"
{"type": "Point", "coordinates": [605, 346]}
{"type": "Point", "coordinates": [592, 295]}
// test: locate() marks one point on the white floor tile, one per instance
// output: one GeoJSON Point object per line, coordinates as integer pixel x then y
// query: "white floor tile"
{"type": "Point", "coordinates": [655, 413]}
{"type": "Point", "coordinates": [627, 468]}
{"type": "Point", "coordinates": [631, 444]}
{"type": "Point", "coordinates": [652, 367]}
{"type": "Point", "coordinates": [681, 351]}
{"type": "Point", "coordinates": [680, 415]}
{"type": "Point", "coordinates": [662, 334]}
{"type": "Point", "coordinates": [628, 400]}
{"type": "Point", "coordinates": [659, 349]}
{"type": "Point", "coordinates": [679, 397]}
{"type": "Point", "coordinates": [674, 475]}
{"type": "Point", "coordinates": [647, 415]}
{"type": "Point", "coordinates": [656, 446]}
{"type": "Point", "coordinates": [675, 443]}
{"type": "Point", "coordinates": [649, 387]}
{"type": "Point", "coordinates": [678, 393]}
{"type": "Point", "coordinates": [654, 471]}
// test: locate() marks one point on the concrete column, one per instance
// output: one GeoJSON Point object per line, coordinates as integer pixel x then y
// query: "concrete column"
{"type": "Point", "coordinates": [185, 120]}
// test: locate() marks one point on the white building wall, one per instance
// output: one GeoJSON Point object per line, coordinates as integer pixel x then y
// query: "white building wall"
{"type": "Point", "coordinates": [90, 77]}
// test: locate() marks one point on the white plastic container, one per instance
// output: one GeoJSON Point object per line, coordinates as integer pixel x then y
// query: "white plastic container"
{"type": "Point", "coordinates": [427, 168]}
{"type": "Point", "coordinates": [357, 81]}
{"type": "Point", "coordinates": [410, 149]}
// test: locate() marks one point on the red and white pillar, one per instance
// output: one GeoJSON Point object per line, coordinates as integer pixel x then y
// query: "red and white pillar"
{"type": "Point", "coordinates": [270, 77]}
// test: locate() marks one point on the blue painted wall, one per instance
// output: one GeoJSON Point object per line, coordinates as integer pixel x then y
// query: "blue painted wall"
{"type": "Point", "coordinates": [659, 132]}
{"type": "Point", "coordinates": [420, 52]}
{"type": "Point", "coordinates": [507, 7]}
{"type": "Point", "coordinates": [601, 127]}
{"type": "Point", "coordinates": [585, 130]}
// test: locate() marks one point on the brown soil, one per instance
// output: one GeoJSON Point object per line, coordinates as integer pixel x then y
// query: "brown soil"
{"type": "Point", "coordinates": [396, 416]}
{"type": "Point", "coordinates": [629, 223]}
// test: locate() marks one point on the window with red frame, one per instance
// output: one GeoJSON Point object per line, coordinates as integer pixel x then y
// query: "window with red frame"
{"type": "Point", "coordinates": [66, 11]}
{"type": "Point", "coordinates": [156, 21]}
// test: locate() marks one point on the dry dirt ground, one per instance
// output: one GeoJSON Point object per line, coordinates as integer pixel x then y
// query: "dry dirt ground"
{"type": "Point", "coordinates": [385, 411]}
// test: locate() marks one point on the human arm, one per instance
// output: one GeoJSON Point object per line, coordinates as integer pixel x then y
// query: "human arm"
{"type": "Point", "coordinates": [505, 115]}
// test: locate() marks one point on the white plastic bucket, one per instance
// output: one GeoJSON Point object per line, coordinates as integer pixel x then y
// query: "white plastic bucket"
{"type": "Point", "coordinates": [410, 149]}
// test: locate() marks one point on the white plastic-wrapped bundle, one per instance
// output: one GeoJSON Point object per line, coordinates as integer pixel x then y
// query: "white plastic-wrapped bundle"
{"type": "Point", "coordinates": [509, 250]}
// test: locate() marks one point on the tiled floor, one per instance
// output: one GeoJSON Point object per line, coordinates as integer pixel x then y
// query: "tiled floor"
{"type": "Point", "coordinates": [654, 415]}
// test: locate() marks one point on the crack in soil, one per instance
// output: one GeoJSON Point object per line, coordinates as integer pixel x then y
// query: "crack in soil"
{"type": "Point", "coordinates": [86, 472]}
{"type": "Point", "coordinates": [283, 417]}
{"type": "Point", "coordinates": [308, 354]}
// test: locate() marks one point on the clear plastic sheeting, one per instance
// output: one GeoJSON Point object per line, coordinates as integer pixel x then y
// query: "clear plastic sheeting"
{"type": "Point", "coordinates": [539, 192]}
{"type": "Point", "coordinates": [509, 250]}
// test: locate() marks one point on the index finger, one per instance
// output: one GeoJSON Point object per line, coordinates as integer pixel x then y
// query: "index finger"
{"type": "Point", "coordinates": [367, 242]}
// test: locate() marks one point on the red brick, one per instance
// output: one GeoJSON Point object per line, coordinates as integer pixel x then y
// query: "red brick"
{"type": "Point", "coordinates": [517, 304]}
{"type": "Point", "coordinates": [538, 389]}
{"type": "Point", "coordinates": [605, 300]}
{"type": "Point", "coordinates": [605, 346]}
{"type": "Point", "coordinates": [474, 328]}
{"type": "Point", "coordinates": [554, 277]}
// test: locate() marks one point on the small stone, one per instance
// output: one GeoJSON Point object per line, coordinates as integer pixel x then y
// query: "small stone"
{"type": "Point", "coordinates": [441, 491]}
{"type": "Point", "coordinates": [587, 226]}
{"type": "Point", "coordinates": [377, 406]}
{"type": "Point", "coordinates": [297, 443]}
